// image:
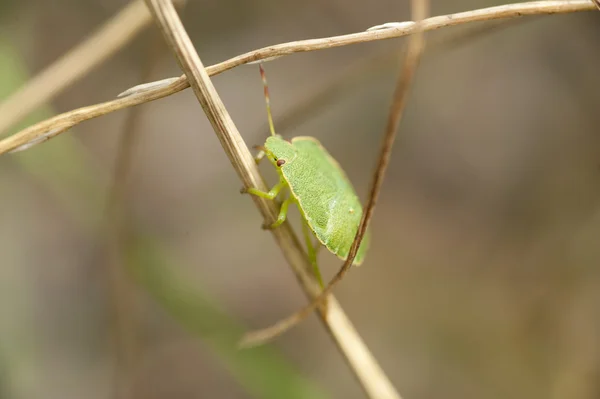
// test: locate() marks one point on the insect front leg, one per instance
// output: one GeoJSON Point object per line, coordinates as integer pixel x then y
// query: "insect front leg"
{"type": "Point", "coordinates": [268, 195]}
{"type": "Point", "coordinates": [261, 154]}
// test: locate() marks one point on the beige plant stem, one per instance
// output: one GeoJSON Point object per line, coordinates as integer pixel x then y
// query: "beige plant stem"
{"type": "Point", "coordinates": [52, 127]}
{"type": "Point", "coordinates": [75, 64]}
{"type": "Point", "coordinates": [364, 365]}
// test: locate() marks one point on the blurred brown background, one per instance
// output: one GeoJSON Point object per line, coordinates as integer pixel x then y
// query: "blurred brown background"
{"type": "Point", "coordinates": [482, 280]}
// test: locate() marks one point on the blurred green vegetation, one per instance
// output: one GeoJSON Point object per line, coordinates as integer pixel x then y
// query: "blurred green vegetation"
{"type": "Point", "coordinates": [262, 371]}
{"type": "Point", "coordinates": [63, 169]}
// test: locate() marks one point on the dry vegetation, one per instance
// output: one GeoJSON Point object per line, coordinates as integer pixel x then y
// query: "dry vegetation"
{"type": "Point", "coordinates": [485, 280]}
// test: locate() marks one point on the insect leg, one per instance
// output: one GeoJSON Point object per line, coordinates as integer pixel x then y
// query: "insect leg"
{"type": "Point", "coordinates": [282, 213]}
{"type": "Point", "coordinates": [270, 195]}
{"type": "Point", "coordinates": [312, 253]}
{"type": "Point", "coordinates": [261, 153]}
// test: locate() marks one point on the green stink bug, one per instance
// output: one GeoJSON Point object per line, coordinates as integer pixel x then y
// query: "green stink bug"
{"type": "Point", "coordinates": [320, 189]}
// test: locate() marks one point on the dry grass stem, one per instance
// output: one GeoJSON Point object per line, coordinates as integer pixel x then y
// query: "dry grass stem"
{"type": "Point", "coordinates": [409, 66]}
{"type": "Point", "coordinates": [372, 378]}
{"type": "Point", "coordinates": [357, 74]}
{"type": "Point", "coordinates": [116, 234]}
{"type": "Point", "coordinates": [71, 67]}
{"type": "Point", "coordinates": [61, 123]}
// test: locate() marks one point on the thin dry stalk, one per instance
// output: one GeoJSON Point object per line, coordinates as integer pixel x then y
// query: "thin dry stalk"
{"type": "Point", "coordinates": [52, 127]}
{"type": "Point", "coordinates": [115, 233]}
{"type": "Point", "coordinates": [359, 74]}
{"type": "Point", "coordinates": [75, 64]}
{"type": "Point", "coordinates": [117, 236]}
{"type": "Point", "coordinates": [365, 367]}
{"type": "Point", "coordinates": [416, 45]}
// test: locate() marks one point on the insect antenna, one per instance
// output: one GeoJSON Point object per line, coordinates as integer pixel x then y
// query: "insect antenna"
{"type": "Point", "coordinates": [267, 100]}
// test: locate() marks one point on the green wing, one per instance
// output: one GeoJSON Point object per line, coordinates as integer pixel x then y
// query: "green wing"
{"type": "Point", "coordinates": [326, 197]}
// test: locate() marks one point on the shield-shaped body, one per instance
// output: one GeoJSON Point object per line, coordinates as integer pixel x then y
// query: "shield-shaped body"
{"type": "Point", "coordinates": [325, 196]}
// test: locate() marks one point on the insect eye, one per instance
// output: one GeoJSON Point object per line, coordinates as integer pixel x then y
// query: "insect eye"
{"type": "Point", "coordinates": [281, 162]}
